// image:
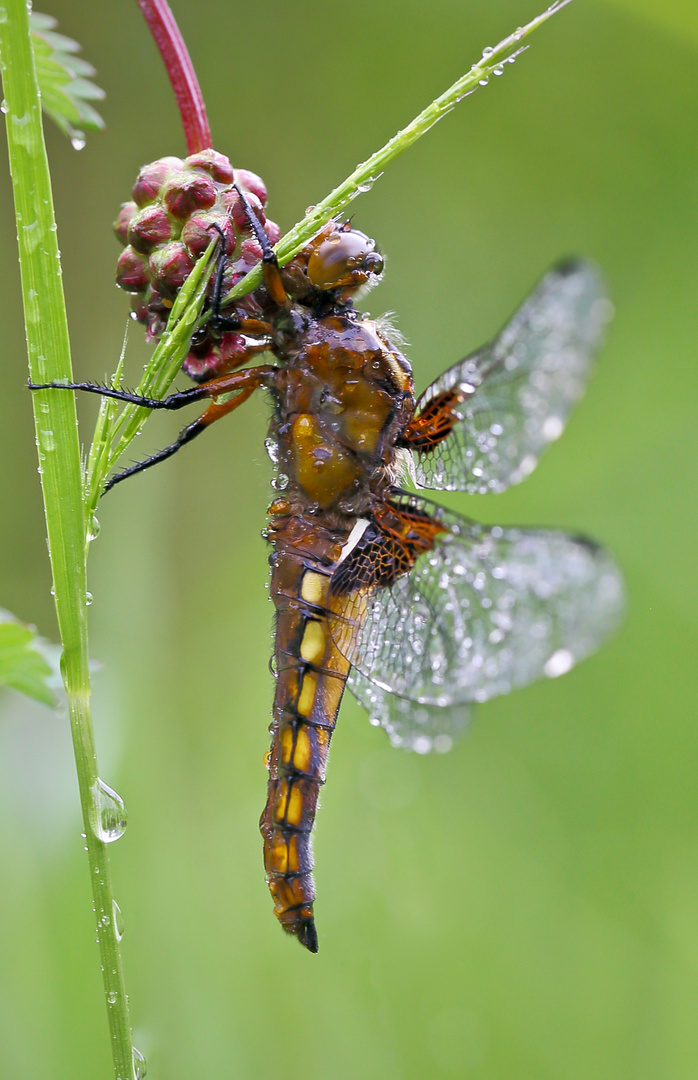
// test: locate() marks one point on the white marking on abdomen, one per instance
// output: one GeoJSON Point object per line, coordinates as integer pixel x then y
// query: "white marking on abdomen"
{"type": "Point", "coordinates": [353, 539]}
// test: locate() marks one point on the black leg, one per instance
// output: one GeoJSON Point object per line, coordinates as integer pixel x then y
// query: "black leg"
{"type": "Point", "coordinates": [173, 401]}
{"type": "Point", "coordinates": [242, 383]}
{"type": "Point", "coordinates": [177, 400]}
{"type": "Point", "coordinates": [184, 437]}
{"type": "Point", "coordinates": [221, 323]}
{"type": "Point", "coordinates": [270, 265]}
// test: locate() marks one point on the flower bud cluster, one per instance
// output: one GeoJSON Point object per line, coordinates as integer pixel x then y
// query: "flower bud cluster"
{"type": "Point", "coordinates": [175, 209]}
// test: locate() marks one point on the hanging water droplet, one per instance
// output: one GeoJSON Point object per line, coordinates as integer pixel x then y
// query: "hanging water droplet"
{"type": "Point", "coordinates": [88, 598]}
{"type": "Point", "coordinates": [140, 1067]}
{"type": "Point", "coordinates": [4, 107]}
{"type": "Point", "coordinates": [272, 448]}
{"type": "Point", "coordinates": [118, 921]}
{"type": "Point", "coordinates": [78, 141]}
{"type": "Point", "coordinates": [93, 529]}
{"type": "Point", "coordinates": [112, 997]}
{"type": "Point", "coordinates": [107, 813]}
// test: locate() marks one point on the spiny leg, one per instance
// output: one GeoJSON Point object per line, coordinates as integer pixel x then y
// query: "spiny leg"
{"type": "Point", "coordinates": [221, 322]}
{"type": "Point", "coordinates": [224, 384]}
{"type": "Point", "coordinates": [270, 265]}
{"type": "Point", "coordinates": [244, 383]}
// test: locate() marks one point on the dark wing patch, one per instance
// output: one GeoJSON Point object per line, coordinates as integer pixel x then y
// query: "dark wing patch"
{"type": "Point", "coordinates": [480, 612]}
{"type": "Point", "coordinates": [484, 423]}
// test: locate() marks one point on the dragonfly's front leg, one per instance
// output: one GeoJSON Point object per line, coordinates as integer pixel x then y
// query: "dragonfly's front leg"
{"type": "Point", "coordinates": [241, 383]}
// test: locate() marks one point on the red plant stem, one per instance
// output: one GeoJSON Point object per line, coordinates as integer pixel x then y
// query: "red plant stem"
{"type": "Point", "coordinates": [180, 71]}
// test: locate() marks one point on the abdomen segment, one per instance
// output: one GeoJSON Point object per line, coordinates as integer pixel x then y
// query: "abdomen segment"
{"type": "Point", "coordinates": [311, 675]}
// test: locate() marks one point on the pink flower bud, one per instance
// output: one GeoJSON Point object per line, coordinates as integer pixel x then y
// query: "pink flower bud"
{"type": "Point", "coordinates": [132, 271]}
{"type": "Point", "coordinates": [216, 165]}
{"type": "Point", "coordinates": [185, 193]}
{"type": "Point", "coordinates": [170, 266]}
{"type": "Point", "coordinates": [251, 250]}
{"type": "Point", "coordinates": [212, 357]}
{"type": "Point", "coordinates": [273, 232]}
{"type": "Point", "coordinates": [149, 228]}
{"type": "Point", "coordinates": [151, 178]}
{"type": "Point", "coordinates": [123, 219]}
{"type": "Point", "coordinates": [250, 182]}
{"type": "Point", "coordinates": [234, 206]}
{"type": "Point", "coordinates": [197, 234]}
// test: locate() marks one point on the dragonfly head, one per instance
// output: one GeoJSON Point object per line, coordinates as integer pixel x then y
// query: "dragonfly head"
{"type": "Point", "coordinates": [343, 258]}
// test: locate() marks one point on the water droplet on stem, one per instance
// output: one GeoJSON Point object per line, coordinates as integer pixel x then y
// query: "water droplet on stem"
{"type": "Point", "coordinates": [107, 813]}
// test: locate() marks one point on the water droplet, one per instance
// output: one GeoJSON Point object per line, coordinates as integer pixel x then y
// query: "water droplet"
{"type": "Point", "coordinates": [118, 921]}
{"type": "Point", "coordinates": [3, 15]}
{"type": "Point", "coordinates": [105, 920]}
{"type": "Point", "coordinates": [487, 51]}
{"type": "Point", "coordinates": [272, 448]}
{"type": "Point", "coordinates": [363, 188]}
{"type": "Point", "coordinates": [112, 997]}
{"type": "Point", "coordinates": [4, 107]}
{"type": "Point", "coordinates": [88, 598]}
{"type": "Point", "coordinates": [280, 481]}
{"type": "Point", "coordinates": [78, 141]}
{"type": "Point", "coordinates": [93, 529]}
{"type": "Point", "coordinates": [140, 1067]}
{"type": "Point", "coordinates": [107, 813]}
{"type": "Point", "coordinates": [559, 663]}
{"type": "Point", "coordinates": [483, 82]}
{"type": "Point", "coordinates": [48, 439]}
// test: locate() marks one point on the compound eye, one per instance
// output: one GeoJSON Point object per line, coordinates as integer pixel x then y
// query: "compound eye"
{"type": "Point", "coordinates": [340, 261]}
{"type": "Point", "coordinates": [373, 263]}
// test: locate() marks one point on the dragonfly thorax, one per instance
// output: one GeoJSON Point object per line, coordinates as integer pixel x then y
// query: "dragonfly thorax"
{"type": "Point", "coordinates": [343, 395]}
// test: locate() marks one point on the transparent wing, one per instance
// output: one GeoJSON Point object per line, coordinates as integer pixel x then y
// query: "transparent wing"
{"type": "Point", "coordinates": [505, 403]}
{"type": "Point", "coordinates": [483, 611]}
{"type": "Point", "coordinates": [410, 725]}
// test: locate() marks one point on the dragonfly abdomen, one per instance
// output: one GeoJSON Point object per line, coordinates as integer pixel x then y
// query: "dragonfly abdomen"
{"type": "Point", "coordinates": [311, 676]}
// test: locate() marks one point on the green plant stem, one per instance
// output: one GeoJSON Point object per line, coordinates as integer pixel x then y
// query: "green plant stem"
{"type": "Point", "coordinates": [160, 371]}
{"type": "Point", "coordinates": [365, 174]}
{"type": "Point", "coordinates": [59, 463]}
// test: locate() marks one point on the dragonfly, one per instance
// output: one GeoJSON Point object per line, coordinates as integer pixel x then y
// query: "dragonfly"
{"type": "Point", "coordinates": [419, 611]}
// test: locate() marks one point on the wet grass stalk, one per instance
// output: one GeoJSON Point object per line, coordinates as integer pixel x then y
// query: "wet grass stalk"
{"type": "Point", "coordinates": [492, 63]}
{"type": "Point", "coordinates": [71, 493]}
{"type": "Point", "coordinates": [55, 420]}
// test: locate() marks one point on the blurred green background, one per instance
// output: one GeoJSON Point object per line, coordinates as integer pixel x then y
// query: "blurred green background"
{"type": "Point", "coordinates": [525, 906]}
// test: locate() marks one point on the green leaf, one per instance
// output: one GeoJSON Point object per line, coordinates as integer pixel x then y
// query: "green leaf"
{"type": "Point", "coordinates": [62, 76]}
{"type": "Point", "coordinates": [24, 663]}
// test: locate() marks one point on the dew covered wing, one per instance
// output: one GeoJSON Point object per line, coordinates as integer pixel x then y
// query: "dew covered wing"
{"type": "Point", "coordinates": [484, 611]}
{"type": "Point", "coordinates": [506, 402]}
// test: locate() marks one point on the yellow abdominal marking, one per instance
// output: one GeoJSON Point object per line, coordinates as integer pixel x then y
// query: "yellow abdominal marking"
{"type": "Point", "coordinates": [314, 588]}
{"type": "Point", "coordinates": [307, 694]}
{"type": "Point", "coordinates": [295, 806]}
{"type": "Point", "coordinates": [313, 643]}
{"type": "Point", "coordinates": [286, 744]}
{"type": "Point", "coordinates": [302, 755]}
{"type": "Point", "coordinates": [279, 858]}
